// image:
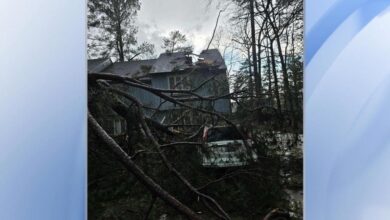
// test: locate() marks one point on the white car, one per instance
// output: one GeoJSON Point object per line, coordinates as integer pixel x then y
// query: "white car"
{"type": "Point", "coordinates": [224, 147]}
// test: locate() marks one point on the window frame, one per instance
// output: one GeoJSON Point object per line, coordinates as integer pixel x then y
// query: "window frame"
{"type": "Point", "coordinates": [180, 82]}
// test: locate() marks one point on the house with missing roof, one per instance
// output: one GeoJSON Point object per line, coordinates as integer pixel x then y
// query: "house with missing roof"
{"type": "Point", "coordinates": [171, 71]}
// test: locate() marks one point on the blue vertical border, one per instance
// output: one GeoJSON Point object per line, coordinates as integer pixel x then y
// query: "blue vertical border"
{"type": "Point", "coordinates": [347, 105]}
{"type": "Point", "coordinates": [43, 106]}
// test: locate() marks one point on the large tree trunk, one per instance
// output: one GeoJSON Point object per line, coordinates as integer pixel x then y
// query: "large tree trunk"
{"type": "Point", "coordinates": [276, 86]}
{"type": "Point", "coordinates": [259, 57]}
{"type": "Point", "coordinates": [286, 83]}
{"type": "Point", "coordinates": [254, 55]}
{"type": "Point", "coordinates": [250, 82]}
{"type": "Point", "coordinates": [269, 73]}
{"type": "Point", "coordinates": [121, 52]}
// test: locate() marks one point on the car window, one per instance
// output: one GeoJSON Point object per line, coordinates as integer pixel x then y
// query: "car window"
{"type": "Point", "coordinates": [222, 134]}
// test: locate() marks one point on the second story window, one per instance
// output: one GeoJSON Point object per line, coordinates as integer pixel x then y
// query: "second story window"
{"type": "Point", "coordinates": [178, 82]}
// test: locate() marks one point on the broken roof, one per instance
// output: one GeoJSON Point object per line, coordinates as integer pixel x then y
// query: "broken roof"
{"type": "Point", "coordinates": [169, 62]}
{"type": "Point", "coordinates": [134, 68]}
{"type": "Point", "coordinates": [212, 57]}
{"type": "Point", "coordinates": [165, 63]}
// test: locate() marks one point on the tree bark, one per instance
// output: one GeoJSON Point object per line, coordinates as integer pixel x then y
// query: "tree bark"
{"type": "Point", "coordinates": [286, 84]}
{"type": "Point", "coordinates": [254, 54]}
{"type": "Point", "coordinates": [276, 86]}
{"type": "Point", "coordinates": [269, 73]}
{"type": "Point", "coordinates": [250, 72]}
{"type": "Point", "coordinates": [259, 57]}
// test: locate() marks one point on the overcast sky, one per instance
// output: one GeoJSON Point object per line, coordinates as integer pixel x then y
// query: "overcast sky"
{"type": "Point", "coordinates": [195, 18]}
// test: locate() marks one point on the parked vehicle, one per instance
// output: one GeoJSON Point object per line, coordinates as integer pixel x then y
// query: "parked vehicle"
{"type": "Point", "coordinates": [225, 147]}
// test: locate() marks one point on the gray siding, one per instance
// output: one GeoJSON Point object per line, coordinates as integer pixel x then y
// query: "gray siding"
{"type": "Point", "coordinates": [218, 86]}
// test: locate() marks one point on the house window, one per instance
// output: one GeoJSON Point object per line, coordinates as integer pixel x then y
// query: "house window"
{"type": "Point", "coordinates": [118, 126]}
{"type": "Point", "coordinates": [178, 82]}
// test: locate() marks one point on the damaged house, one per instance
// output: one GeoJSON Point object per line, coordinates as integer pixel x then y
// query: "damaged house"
{"type": "Point", "coordinates": [171, 71]}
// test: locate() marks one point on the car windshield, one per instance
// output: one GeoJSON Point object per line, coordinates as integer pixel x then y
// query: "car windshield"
{"type": "Point", "coordinates": [222, 134]}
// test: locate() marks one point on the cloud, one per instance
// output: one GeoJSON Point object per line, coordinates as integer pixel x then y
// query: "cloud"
{"type": "Point", "coordinates": [194, 18]}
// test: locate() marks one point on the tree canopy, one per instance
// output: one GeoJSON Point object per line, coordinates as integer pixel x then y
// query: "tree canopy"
{"type": "Point", "coordinates": [111, 30]}
{"type": "Point", "coordinates": [176, 42]}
